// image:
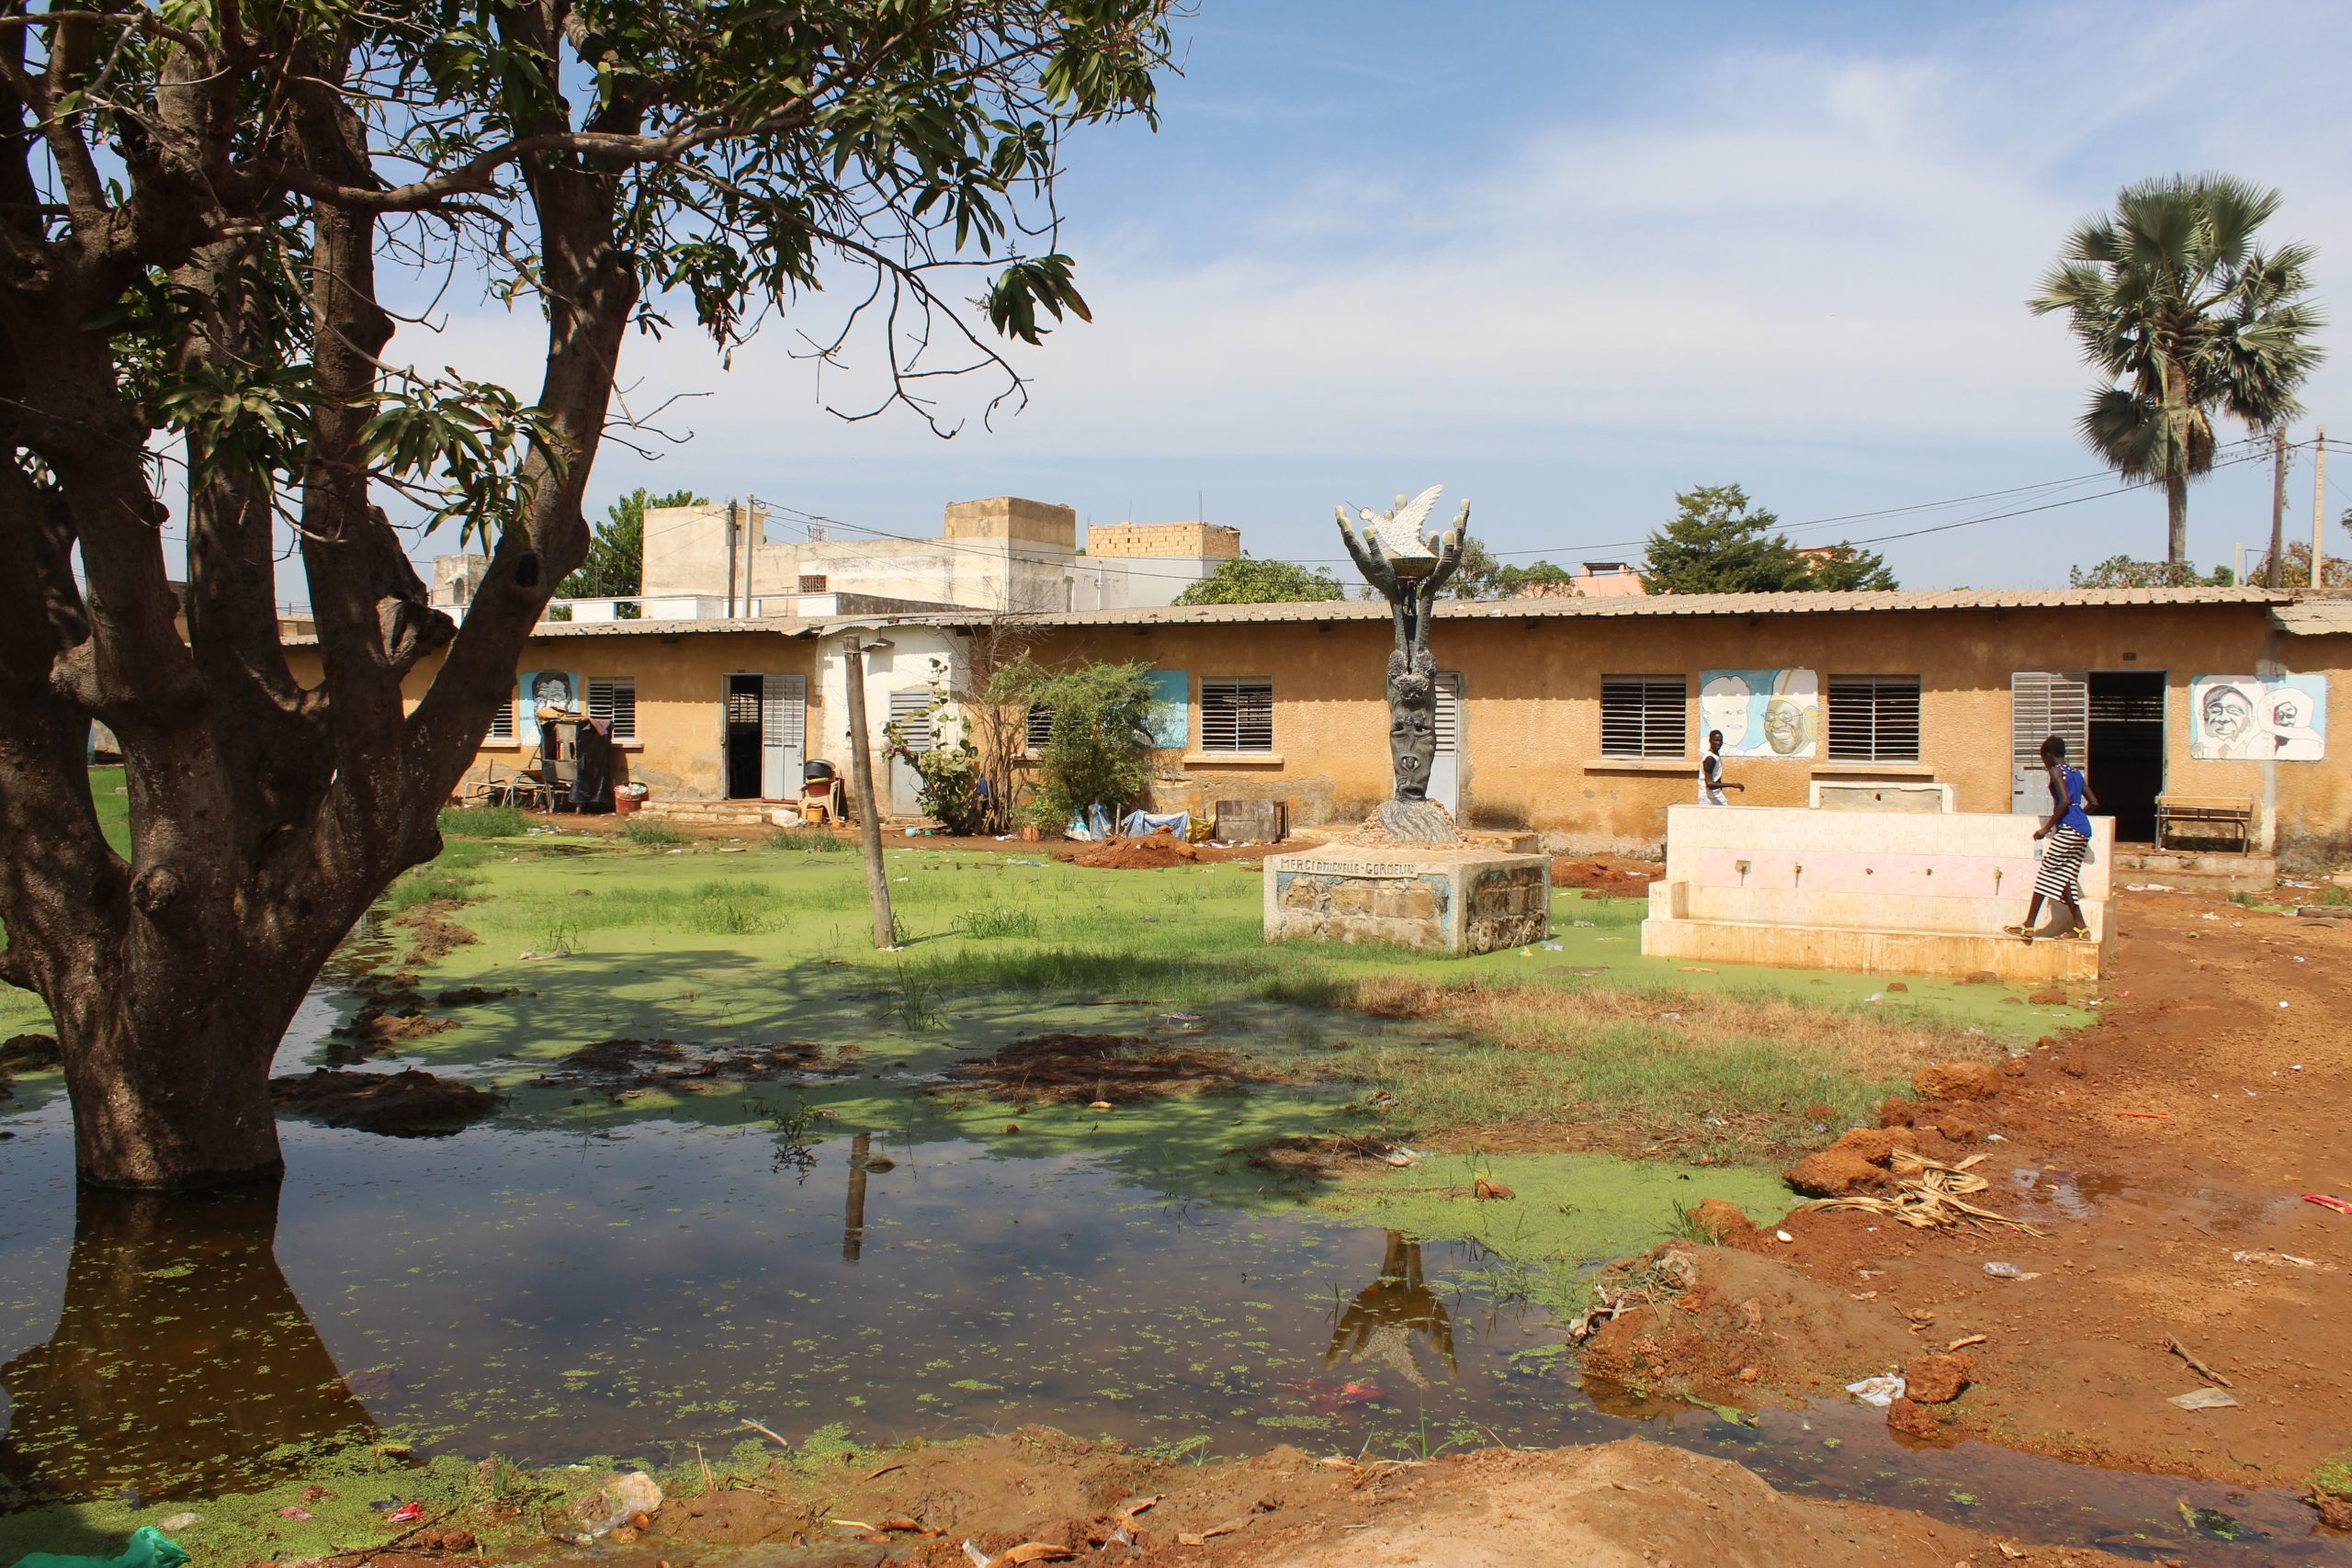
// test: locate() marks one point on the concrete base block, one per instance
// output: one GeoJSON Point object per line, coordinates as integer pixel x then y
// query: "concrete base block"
{"type": "Point", "coordinates": [1872, 951]}
{"type": "Point", "coordinates": [1466, 899]}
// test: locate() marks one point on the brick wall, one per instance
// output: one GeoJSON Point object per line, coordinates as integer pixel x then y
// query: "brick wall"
{"type": "Point", "coordinates": [1209, 541]}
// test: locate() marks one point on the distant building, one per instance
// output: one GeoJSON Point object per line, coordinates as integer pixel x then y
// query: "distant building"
{"type": "Point", "coordinates": [1608, 579]}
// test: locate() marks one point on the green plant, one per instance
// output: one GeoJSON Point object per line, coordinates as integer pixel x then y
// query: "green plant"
{"type": "Point", "coordinates": [953, 788]}
{"type": "Point", "coordinates": [809, 840]}
{"type": "Point", "coordinates": [483, 822]}
{"type": "Point", "coordinates": [984, 925]}
{"type": "Point", "coordinates": [1094, 751]}
{"type": "Point", "coordinates": [1243, 581]}
{"type": "Point", "coordinates": [652, 835]}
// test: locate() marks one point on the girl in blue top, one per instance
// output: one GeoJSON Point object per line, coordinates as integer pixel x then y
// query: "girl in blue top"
{"type": "Point", "coordinates": [2069, 832]}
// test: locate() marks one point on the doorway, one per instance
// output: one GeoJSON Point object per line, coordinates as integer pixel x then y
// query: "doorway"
{"type": "Point", "coordinates": [742, 738]}
{"type": "Point", "coordinates": [768, 735]}
{"type": "Point", "coordinates": [2126, 755]}
{"type": "Point", "coordinates": [911, 713]}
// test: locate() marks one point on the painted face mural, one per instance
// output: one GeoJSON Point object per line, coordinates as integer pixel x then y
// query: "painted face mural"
{"type": "Point", "coordinates": [2227, 713]}
{"type": "Point", "coordinates": [1783, 726]}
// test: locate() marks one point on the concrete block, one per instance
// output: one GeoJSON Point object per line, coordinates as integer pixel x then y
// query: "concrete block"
{"type": "Point", "coordinates": [1466, 899]}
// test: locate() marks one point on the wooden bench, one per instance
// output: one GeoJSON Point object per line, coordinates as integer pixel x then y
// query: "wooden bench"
{"type": "Point", "coordinates": [2210, 816]}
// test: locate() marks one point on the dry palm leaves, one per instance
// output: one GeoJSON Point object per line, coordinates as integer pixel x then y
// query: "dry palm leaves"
{"type": "Point", "coordinates": [1930, 1195]}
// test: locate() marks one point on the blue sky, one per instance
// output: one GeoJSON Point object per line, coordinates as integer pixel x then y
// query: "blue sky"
{"type": "Point", "coordinates": [1569, 260]}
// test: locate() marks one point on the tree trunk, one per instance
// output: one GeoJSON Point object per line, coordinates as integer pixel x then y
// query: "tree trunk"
{"type": "Point", "coordinates": [2277, 575]}
{"type": "Point", "coordinates": [2177, 519]}
{"type": "Point", "coordinates": [169, 1081]}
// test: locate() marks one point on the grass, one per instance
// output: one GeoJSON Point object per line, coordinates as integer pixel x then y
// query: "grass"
{"type": "Point", "coordinates": [990, 925]}
{"type": "Point", "coordinates": [648, 835]}
{"type": "Point", "coordinates": [812, 840]}
{"type": "Point", "coordinates": [484, 822]}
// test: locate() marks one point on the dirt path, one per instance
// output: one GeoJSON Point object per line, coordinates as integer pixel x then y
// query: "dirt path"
{"type": "Point", "coordinates": [1616, 1506]}
{"type": "Point", "coordinates": [2164, 1153]}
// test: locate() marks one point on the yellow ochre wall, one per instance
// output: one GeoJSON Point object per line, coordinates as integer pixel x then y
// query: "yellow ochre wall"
{"type": "Point", "coordinates": [1531, 713]}
{"type": "Point", "coordinates": [681, 697]}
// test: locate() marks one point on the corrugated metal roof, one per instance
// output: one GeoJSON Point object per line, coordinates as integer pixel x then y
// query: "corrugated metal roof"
{"type": "Point", "coordinates": [2316, 618]}
{"type": "Point", "coordinates": [1635, 606]}
{"type": "Point", "coordinates": [1660, 604]}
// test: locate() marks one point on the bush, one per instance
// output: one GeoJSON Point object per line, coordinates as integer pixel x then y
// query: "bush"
{"type": "Point", "coordinates": [954, 789]}
{"type": "Point", "coordinates": [1094, 752]}
{"type": "Point", "coordinates": [483, 822]}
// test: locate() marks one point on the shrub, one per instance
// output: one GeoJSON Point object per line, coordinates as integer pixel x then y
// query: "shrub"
{"type": "Point", "coordinates": [1094, 752]}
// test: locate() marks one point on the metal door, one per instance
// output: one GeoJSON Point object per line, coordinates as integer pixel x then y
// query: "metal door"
{"type": "Point", "coordinates": [1445, 766]}
{"type": "Point", "coordinates": [910, 711]}
{"type": "Point", "coordinates": [2042, 706]}
{"type": "Point", "coordinates": [784, 735]}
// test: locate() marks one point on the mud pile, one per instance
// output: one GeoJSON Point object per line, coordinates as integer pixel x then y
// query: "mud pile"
{"type": "Point", "coordinates": [1151, 852]}
{"type": "Point", "coordinates": [1115, 1069]}
{"type": "Point", "coordinates": [401, 1105]}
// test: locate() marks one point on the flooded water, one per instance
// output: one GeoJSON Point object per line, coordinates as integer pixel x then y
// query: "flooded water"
{"type": "Point", "coordinates": [548, 1295]}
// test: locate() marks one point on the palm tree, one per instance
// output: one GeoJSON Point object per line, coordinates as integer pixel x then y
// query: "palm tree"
{"type": "Point", "coordinates": [2186, 316]}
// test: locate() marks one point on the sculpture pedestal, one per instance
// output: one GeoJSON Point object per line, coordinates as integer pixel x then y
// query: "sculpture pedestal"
{"type": "Point", "coordinates": [1460, 898]}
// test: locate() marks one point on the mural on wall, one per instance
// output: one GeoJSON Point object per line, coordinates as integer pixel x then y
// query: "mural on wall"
{"type": "Point", "coordinates": [556, 691]}
{"type": "Point", "coordinates": [2258, 717]}
{"type": "Point", "coordinates": [1762, 713]}
{"type": "Point", "coordinates": [1170, 724]}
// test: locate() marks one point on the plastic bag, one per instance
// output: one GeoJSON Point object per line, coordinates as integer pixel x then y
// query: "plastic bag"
{"type": "Point", "coordinates": [148, 1548]}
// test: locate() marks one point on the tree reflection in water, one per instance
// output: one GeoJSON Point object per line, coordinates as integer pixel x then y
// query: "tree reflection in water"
{"type": "Point", "coordinates": [1380, 1326]}
{"type": "Point", "coordinates": [181, 1357]}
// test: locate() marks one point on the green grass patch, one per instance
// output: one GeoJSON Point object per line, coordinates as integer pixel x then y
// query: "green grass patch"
{"type": "Point", "coordinates": [812, 840]}
{"type": "Point", "coordinates": [648, 835]}
{"type": "Point", "coordinates": [484, 822]}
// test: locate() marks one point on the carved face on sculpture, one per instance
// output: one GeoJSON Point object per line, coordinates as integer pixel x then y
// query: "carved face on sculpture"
{"type": "Point", "coordinates": [1412, 744]}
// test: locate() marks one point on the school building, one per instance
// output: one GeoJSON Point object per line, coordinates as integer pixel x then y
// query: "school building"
{"type": "Point", "coordinates": [1578, 719]}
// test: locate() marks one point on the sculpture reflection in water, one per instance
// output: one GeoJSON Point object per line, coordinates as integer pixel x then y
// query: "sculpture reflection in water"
{"type": "Point", "coordinates": [1380, 1326]}
{"type": "Point", "coordinates": [181, 1357]}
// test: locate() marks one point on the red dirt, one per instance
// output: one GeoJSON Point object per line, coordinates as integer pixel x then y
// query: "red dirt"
{"type": "Point", "coordinates": [1611, 875]}
{"type": "Point", "coordinates": [2186, 1228]}
{"type": "Point", "coordinates": [1616, 1506]}
{"type": "Point", "coordinates": [1152, 851]}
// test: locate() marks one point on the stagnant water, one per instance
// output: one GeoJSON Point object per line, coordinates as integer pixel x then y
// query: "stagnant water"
{"type": "Point", "coordinates": [548, 1295]}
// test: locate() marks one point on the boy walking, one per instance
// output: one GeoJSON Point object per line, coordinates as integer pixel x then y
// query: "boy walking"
{"type": "Point", "coordinates": [1710, 773]}
{"type": "Point", "coordinates": [2069, 835]}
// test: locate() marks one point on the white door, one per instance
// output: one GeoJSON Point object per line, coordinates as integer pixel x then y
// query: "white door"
{"type": "Point", "coordinates": [1445, 766]}
{"type": "Point", "coordinates": [2042, 706]}
{"type": "Point", "coordinates": [784, 735]}
{"type": "Point", "coordinates": [910, 711]}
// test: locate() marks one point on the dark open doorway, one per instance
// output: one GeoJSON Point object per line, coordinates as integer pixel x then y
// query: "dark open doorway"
{"type": "Point", "coordinates": [2127, 749]}
{"type": "Point", "coordinates": [742, 738]}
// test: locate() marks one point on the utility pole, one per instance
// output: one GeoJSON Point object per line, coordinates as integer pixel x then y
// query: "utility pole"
{"type": "Point", "coordinates": [2277, 572]}
{"type": "Point", "coordinates": [861, 778]}
{"type": "Point", "coordinates": [2319, 510]}
{"type": "Point", "coordinates": [730, 560]}
{"type": "Point", "coordinates": [753, 531]}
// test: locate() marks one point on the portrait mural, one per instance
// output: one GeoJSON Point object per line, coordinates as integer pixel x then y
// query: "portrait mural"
{"type": "Point", "coordinates": [1762, 713]}
{"type": "Point", "coordinates": [553, 690]}
{"type": "Point", "coordinates": [2258, 717]}
{"type": "Point", "coordinates": [1170, 722]}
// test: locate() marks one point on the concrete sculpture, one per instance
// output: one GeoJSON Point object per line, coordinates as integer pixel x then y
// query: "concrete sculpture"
{"type": "Point", "coordinates": [1409, 877]}
{"type": "Point", "coordinates": [1394, 558]}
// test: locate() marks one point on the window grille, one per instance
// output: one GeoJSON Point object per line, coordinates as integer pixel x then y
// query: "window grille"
{"type": "Point", "coordinates": [615, 700]}
{"type": "Point", "coordinates": [1875, 718]}
{"type": "Point", "coordinates": [1237, 714]}
{"type": "Point", "coordinates": [1644, 715]}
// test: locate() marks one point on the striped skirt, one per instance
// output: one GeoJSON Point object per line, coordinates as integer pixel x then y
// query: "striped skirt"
{"type": "Point", "coordinates": [2061, 865]}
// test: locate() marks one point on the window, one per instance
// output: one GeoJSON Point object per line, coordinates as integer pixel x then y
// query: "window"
{"type": "Point", "coordinates": [1875, 718]}
{"type": "Point", "coordinates": [1238, 714]}
{"type": "Point", "coordinates": [811, 583]}
{"type": "Point", "coordinates": [615, 700]}
{"type": "Point", "coordinates": [502, 723]}
{"type": "Point", "coordinates": [1641, 716]}
{"type": "Point", "coordinates": [1038, 728]}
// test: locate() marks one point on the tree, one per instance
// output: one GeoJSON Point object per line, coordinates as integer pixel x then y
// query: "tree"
{"type": "Point", "coordinates": [2123, 571]}
{"type": "Point", "coordinates": [2295, 568]}
{"type": "Point", "coordinates": [2183, 315]}
{"type": "Point", "coordinates": [1716, 545]}
{"type": "Point", "coordinates": [1243, 581]}
{"type": "Point", "coordinates": [1096, 745]}
{"type": "Point", "coordinates": [1481, 576]}
{"type": "Point", "coordinates": [1543, 576]}
{"type": "Point", "coordinates": [199, 199]}
{"type": "Point", "coordinates": [1847, 568]}
{"type": "Point", "coordinates": [616, 565]}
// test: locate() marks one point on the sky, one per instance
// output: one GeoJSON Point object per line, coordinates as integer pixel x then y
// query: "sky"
{"type": "Point", "coordinates": [1567, 261]}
